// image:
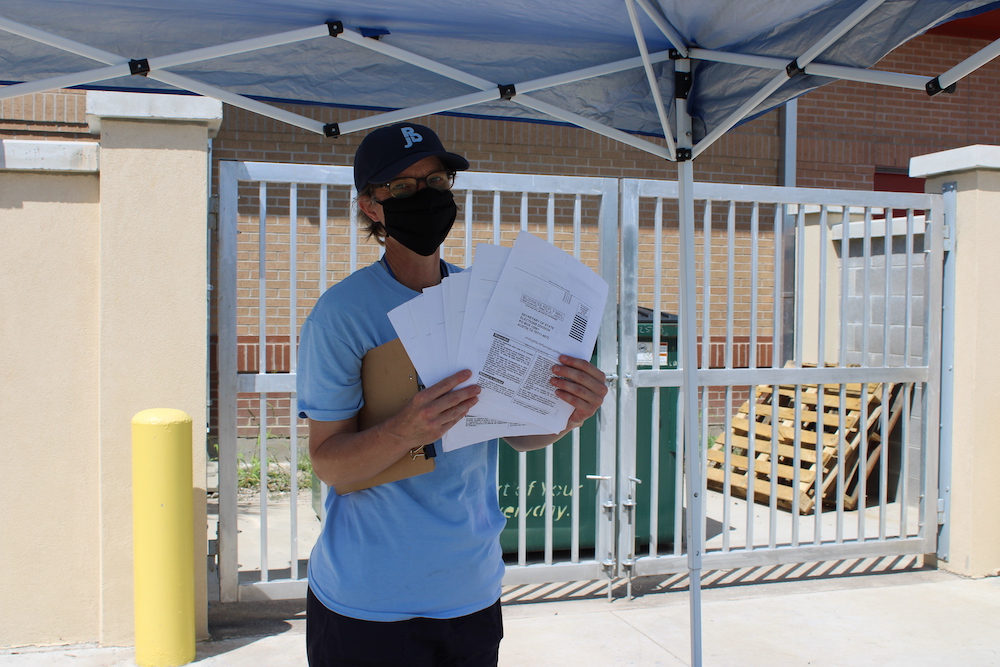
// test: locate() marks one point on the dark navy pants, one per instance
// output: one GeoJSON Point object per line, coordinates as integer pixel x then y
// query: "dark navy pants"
{"type": "Point", "coordinates": [466, 641]}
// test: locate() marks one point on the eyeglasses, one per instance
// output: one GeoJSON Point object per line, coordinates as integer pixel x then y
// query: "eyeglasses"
{"type": "Point", "coordinates": [406, 186]}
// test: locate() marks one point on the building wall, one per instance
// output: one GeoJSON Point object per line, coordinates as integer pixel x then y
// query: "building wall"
{"type": "Point", "coordinates": [50, 547]}
{"type": "Point", "coordinates": [103, 286]}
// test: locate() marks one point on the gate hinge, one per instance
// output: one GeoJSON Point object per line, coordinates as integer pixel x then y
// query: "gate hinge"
{"type": "Point", "coordinates": [213, 555]}
{"type": "Point", "coordinates": [213, 212]}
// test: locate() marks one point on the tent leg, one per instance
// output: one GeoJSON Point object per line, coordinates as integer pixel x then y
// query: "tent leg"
{"type": "Point", "coordinates": [689, 364]}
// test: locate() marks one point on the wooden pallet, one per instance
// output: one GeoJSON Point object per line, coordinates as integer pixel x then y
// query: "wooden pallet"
{"type": "Point", "coordinates": [837, 440]}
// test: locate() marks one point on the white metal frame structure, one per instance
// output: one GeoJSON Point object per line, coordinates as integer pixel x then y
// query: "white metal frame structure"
{"type": "Point", "coordinates": [597, 195]}
{"type": "Point", "coordinates": [745, 534]}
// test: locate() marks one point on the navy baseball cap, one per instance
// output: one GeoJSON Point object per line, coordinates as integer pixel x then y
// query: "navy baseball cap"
{"type": "Point", "coordinates": [389, 150]}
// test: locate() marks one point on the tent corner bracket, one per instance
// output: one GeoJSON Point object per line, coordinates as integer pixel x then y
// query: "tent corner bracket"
{"type": "Point", "coordinates": [684, 154]}
{"type": "Point", "coordinates": [331, 130]}
{"type": "Point", "coordinates": [793, 69]}
{"type": "Point", "coordinates": [335, 27]}
{"type": "Point", "coordinates": [682, 84]}
{"type": "Point", "coordinates": [933, 87]}
{"type": "Point", "coordinates": [138, 67]}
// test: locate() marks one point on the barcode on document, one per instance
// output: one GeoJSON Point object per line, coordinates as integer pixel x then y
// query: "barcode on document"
{"type": "Point", "coordinates": [578, 328]}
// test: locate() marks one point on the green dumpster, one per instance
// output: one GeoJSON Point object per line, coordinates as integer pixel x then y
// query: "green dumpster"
{"type": "Point", "coordinates": [562, 456]}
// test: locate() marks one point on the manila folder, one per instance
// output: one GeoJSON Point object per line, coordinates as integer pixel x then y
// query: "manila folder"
{"type": "Point", "coordinates": [388, 381]}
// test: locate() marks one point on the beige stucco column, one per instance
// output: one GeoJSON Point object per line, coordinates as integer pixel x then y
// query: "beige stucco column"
{"type": "Point", "coordinates": [152, 311]}
{"type": "Point", "coordinates": [974, 524]}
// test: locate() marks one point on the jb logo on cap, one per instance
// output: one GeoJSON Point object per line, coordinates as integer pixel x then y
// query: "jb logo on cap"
{"type": "Point", "coordinates": [411, 136]}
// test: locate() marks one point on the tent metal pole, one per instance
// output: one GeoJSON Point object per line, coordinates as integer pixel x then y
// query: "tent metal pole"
{"type": "Point", "coordinates": [484, 84]}
{"type": "Point", "coordinates": [689, 366]}
{"type": "Point", "coordinates": [654, 89]}
{"type": "Point", "coordinates": [242, 46]}
{"type": "Point", "coordinates": [240, 101]}
{"type": "Point", "coordinates": [969, 65]}
{"type": "Point", "coordinates": [811, 54]}
{"type": "Point", "coordinates": [664, 25]}
{"type": "Point", "coordinates": [42, 37]}
{"type": "Point", "coordinates": [878, 77]}
{"type": "Point", "coordinates": [65, 81]}
{"type": "Point", "coordinates": [120, 63]}
{"type": "Point", "coordinates": [594, 126]}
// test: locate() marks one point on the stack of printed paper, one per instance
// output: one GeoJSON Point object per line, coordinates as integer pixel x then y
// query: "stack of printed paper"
{"type": "Point", "coordinates": [508, 319]}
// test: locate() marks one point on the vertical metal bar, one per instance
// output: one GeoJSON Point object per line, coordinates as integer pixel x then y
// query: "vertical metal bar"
{"type": "Point", "coordinates": [845, 256]}
{"type": "Point", "coordinates": [612, 221]}
{"type": "Point", "coordinates": [730, 315]}
{"type": "Point", "coordinates": [939, 355]}
{"type": "Point", "coordinates": [574, 544]}
{"type": "Point", "coordinates": [550, 219]}
{"type": "Point", "coordinates": [867, 293]}
{"type": "Point", "coordinates": [908, 321]}
{"type": "Point", "coordinates": [548, 505]}
{"type": "Point", "coordinates": [904, 459]}
{"type": "Point", "coordinates": [324, 278]}
{"type": "Point", "coordinates": [524, 211]}
{"type": "Point", "coordinates": [654, 440]}
{"type": "Point", "coordinates": [799, 336]}
{"type": "Point", "coordinates": [577, 224]}
{"type": "Point", "coordinates": [883, 459]}
{"type": "Point", "coordinates": [226, 354]}
{"type": "Point", "coordinates": [865, 363]}
{"type": "Point", "coordinates": [706, 339]}
{"type": "Point", "coordinates": [627, 363]}
{"type": "Point", "coordinates": [800, 283]}
{"type": "Point", "coordinates": [323, 221]}
{"type": "Point", "coordinates": [796, 458]}
{"type": "Point", "coordinates": [352, 234]}
{"type": "Point", "coordinates": [754, 277]}
{"type": "Point", "coordinates": [820, 388]}
{"type": "Point", "coordinates": [496, 217]}
{"type": "Point", "coordinates": [706, 286]}
{"type": "Point", "coordinates": [293, 326]}
{"type": "Point", "coordinates": [689, 363]}
{"type": "Point", "coordinates": [262, 368]}
{"type": "Point", "coordinates": [776, 324]}
{"type": "Point", "coordinates": [904, 464]}
{"type": "Point", "coordinates": [776, 361]}
{"type": "Point", "coordinates": [469, 252]}
{"type": "Point", "coordinates": [522, 508]}
{"type": "Point", "coordinates": [753, 361]}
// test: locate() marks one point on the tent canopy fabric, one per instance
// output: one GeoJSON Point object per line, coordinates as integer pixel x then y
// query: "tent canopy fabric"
{"type": "Point", "coordinates": [376, 62]}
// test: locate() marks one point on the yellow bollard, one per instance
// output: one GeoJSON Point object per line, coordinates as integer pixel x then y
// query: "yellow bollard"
{"type": "Point", "coordinates": [163, 538]}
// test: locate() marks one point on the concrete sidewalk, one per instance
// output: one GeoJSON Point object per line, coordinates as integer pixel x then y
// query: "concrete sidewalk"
{"type": "Point", "coordinates": [833, 615]}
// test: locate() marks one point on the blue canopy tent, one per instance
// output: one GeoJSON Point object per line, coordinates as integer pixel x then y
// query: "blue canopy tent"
{"type": "Point", "coordinates": [669, 77]}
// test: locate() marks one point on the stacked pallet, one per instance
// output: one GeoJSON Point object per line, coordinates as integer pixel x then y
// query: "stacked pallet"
{"type": "Point", "coordinates": [830, 437]}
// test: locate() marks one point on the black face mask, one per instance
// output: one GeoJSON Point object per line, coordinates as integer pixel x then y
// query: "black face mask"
{"type": "Point", "coordinates": [421, 222]}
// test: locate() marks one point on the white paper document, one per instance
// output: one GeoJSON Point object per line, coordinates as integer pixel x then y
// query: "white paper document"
{"type": "Point", "coordinates": [546, 303]}
{"type": "Point", "coordinates": [508, 318]}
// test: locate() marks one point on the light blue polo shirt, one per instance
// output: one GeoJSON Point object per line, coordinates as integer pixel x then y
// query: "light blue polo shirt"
{"type": "Point", "coordinates": [427, 546]}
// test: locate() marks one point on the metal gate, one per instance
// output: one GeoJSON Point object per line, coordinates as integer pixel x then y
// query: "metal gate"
{"type": "Point", "coordinates": [819, 320]}
{"type": "Point", "coordinates": [813, 294]}
{"type": "Point", "coordinates": [270, 273]}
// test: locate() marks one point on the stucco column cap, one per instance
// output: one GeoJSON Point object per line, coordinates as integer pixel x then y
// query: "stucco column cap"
{"type": "Point", "coordinates": [967, 158]}
{"type": "Point", "coordinates": [152, 106]}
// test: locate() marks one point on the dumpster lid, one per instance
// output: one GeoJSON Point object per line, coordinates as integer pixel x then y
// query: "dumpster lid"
{"type": "Point", "coordinates": [646, 316]}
